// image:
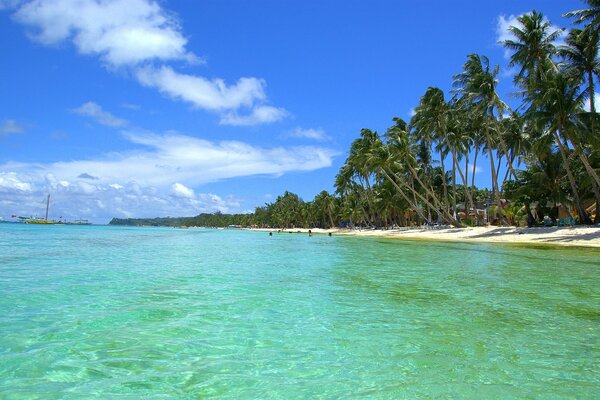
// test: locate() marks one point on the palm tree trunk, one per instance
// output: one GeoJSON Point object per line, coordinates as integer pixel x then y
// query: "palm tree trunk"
{"type": "Point", "coordinates": [505, 150]}
{"type": "Point", "coordinates": [586, 163]}
{"type": "Point", "coordinates": [454, 186]}
{"type": "Point", "coordinates": [434, 198]}
{"type": "Point", "coordinates": [499, 163]}
{"type": "Point", "coordinates": [592, 94]}
{"type": "Point", "coordinates": [404, 196]}
{"type": "Point", "coordinates": [462, 176]}
{"type": "Point", "coordinates": [466, 179]}
{"type": "Point", "coordinates": [596, 190]}
{"type": "Point", "coordinates": [474, 166]}
{"type": "Point", "coordinates": [508, 173]}
{"type": "Point", "coordinates": [580, 210]}
{"type": "Point", "coordinates": [495, 192]}
{"type": "Point", "coordinates": [444, 179]}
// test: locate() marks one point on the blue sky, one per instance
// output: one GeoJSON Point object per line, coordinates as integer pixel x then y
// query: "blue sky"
{"type": "Point", "coordinates": [137, 108]}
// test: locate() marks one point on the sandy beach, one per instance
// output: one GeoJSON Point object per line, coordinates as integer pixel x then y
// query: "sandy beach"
{"type": "Point", "coordinates": [586, 236]}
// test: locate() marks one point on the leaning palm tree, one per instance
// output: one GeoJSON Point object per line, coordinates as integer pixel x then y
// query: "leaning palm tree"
{"type": "Point", "coordinates": [476, 85]}
{"type": "Point", "coordinates": [430, 124]}
{"type": "Point", "coordinates": [388, 165]}
{"type": "Point", "coordinates": [589, 16]}
{"type": "Point", "coordinates": [400, 148]}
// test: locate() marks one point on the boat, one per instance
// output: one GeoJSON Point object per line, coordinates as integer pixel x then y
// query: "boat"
{"type": "Point", "coordinates": [40, 221]}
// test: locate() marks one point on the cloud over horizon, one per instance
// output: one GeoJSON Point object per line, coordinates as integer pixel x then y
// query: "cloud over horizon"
{"type": "Point", "coordinates": [159, 174]}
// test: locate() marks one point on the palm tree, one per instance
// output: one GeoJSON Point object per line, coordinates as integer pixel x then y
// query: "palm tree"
{"type": "Point", "coordinates": [591, 15]}
{"type": "Point", "coordinates": [380, 158]}
{"type": "Point", "coordinates": [433, 118]}
{"type": "Point", "coordinates": [477, 86]}
{"type": "Point", "coordinates": [400, 148]}
{"type": "Point", "coordinates": [582, 62]}
{"type": "Point", "coordinates": [554, 109]}
{"type": "Point", "coordinates": [533, 49]}
{"type": "Point", "coordinates": [325, 205]}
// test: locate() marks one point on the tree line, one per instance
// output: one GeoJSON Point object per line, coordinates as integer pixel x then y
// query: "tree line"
{"type": "Point", "coordinates": [541, 154]}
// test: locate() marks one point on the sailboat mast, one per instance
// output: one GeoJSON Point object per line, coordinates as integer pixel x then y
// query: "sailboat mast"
{"type": "Point", "coordinates": [47, 206]}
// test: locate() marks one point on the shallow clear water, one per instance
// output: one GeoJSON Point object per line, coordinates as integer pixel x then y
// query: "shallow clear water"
{"type": "Point", "coordinates": [160, 313]}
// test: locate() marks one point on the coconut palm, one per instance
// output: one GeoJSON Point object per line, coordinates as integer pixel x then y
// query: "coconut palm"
{"type": "Point", "coordinates": [434, 118]}
{"type": "Point", "coordinates": [476, 86]}
{"type": "Point", "coordinates": [590, 16]}
{"type": "Point", "coordinates": [533, 49]}
{"type": "Point", "coordinates": [554, 109]}
{"type": "Point", "coordinates": [582, 61]}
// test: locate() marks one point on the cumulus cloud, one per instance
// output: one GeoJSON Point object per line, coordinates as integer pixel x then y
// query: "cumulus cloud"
{"type": "Point", "coordinates": [259, 115]}
{"type": "Point", "coordinates": [10, 126]}
{"type": "Point", "coordinates": [10, 181]}
{"type": "Point", "coordinates": [179, 190]}
{"type": "Point", "coordinates": [120, 32]}
{"type": "Point", "coordinates": [156, 176]}
{"type": "Point", "coordinates": [201, 92]}
{"type": "Point", "coordinates": [93, 110]}
{"type": "Point", "coordinates": [141, 36]}
{"type": "Point", "coordinates": [311, 133]}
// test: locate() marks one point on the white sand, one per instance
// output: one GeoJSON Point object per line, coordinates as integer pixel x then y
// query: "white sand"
{"type": "Point", "coordinates": [562, 236]}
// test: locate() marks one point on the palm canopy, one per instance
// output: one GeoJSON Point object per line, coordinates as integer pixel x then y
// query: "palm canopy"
{"type": "Point", "coordinates": [590, 15]}
{"type": "Point", "coordinates": [533, 49]}
{"type": "Point", "coordinates": [582, 61]}
{"type": "Point", "coordinates": [558, 106]}
{"type": "Point", "coordinates": [477, 84]}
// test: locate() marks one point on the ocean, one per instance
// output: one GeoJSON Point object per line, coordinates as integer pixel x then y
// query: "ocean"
{"type": "Point", "coordinates": [161, 313]}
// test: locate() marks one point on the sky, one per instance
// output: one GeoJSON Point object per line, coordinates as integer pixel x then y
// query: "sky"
{"type": "Point", "coordinates": [139, 108]}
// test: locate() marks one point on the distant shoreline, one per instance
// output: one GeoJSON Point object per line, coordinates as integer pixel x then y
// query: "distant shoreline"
{"type": "Point", "coordinates": [578, 236]}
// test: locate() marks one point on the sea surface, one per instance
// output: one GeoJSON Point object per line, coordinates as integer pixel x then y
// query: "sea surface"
{"type": "Point", "coordinates": [159, 313]}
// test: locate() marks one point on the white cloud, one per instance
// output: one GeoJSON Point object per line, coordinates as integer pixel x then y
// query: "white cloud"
{"type": "Point", "coordinates": [311, 133]}
{"type": "Point", "coordinates": [131, 106]}
{"type": "Point", "coordinates": [93, 110]}
{"type": "Point", "coordinates": [478, 169]}
{"type": "Point", "coordinates": [259, 115]}
{"type": "Point", "coordinates": [412, 112]}
{"type": "Point", "coordinates": [120, 32]}
{"type": "Point", "coordinates": [502, 31]}
{"type": "Point", "coordinates": [10, 126]}
{"type": "Point", "coordinates": [203, 93]}
{"type": "Point", "coordinates": [10, 181]}
{"type": "Point", "coordinates": [156, 178]}
{"type": "Point", "coordinates": [179, 190]}
{"type": "Point", "coordinates": [135, 33]}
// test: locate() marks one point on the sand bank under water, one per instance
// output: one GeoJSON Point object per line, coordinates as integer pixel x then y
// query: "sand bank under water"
{"type": "Point", "coordinates": [588, 236]}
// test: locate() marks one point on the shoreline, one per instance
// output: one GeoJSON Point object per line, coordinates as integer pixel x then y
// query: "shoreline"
{"type": "Point", "coordinates": [578, 236]}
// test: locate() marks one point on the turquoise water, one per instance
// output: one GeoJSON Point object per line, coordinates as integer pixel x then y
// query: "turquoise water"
{"type": "Point", "coordinates": [158, 313]}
